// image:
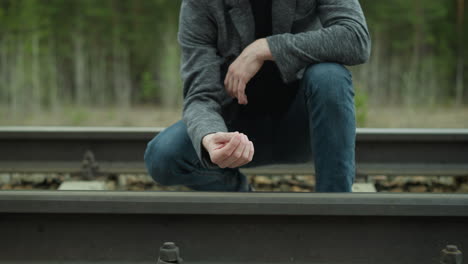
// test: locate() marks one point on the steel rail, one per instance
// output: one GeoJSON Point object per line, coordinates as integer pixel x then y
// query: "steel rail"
{"type": "Point", "coordinates": [361, 204]}
{"type": "Point", "coordinates": [378, 151]}
{"type": "Point", "coordinates": [129, 227]}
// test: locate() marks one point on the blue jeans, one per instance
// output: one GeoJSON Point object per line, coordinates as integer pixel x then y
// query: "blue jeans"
{"type": "Point", "coordinates": [318, 126]}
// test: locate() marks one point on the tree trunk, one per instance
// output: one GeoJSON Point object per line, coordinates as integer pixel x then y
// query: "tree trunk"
{"type": "Point", "coordinates": [53, 82]}
{"type": "Point", "coordinates": [80, 69]}
{"type": "Point", "coordinates": [169, 67]}
{"type": "Point", "coordinates": [18, 77]}
{"type": "Point", "coordinates": [460, 53]}
{"type": "Point", "coordinates": [98, 76]}
{"type": "Point", "coordinates": [4, 70]}
{"type": "Point", "coordinates": [81, 61]}
{"type": "Point", "coordinates": [36, 98]}
{"type": "Point", "coordinates": [414, 73]}
{"type": "Point", "coordinates": [121, 73]}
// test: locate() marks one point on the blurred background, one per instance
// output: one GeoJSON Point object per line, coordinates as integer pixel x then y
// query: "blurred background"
{"type": "Point", "coordinates": [116, 63]}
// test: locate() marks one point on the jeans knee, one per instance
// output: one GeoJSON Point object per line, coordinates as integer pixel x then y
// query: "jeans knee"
{"type": "Point", "coordinates": [158, 162]}
{"type": "Point", "coordinates": [326, 81]}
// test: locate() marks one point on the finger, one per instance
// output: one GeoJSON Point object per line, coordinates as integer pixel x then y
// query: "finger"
{"type": "Point", "coordinates": [223, 137]}
{"type": "Point", "coordinates": [245, 155]}
{"type": "Point", "coordinates": [236, 154]}
{"type": "Point", "coordinates": [221, 155]}
{"type": "Point", "coordinates": [226, 80]}
{"type": "Point", "coordinates": [241, 93]}
{"type": "Point", "coordinates": [227, 83]}
{"type": "Point", "coordinates": [220, 146]}
{"type": "Point", "coordinates": [238, 91]}
{"type": "Point", "coordinates": [232, 145]}
{"type": "Point", "coordinates": [252, 151]}
{"type": "Point", "coordinates": [241, 160]}
{"type": "Point", "coordinates": [232, 86]}
{"type": "Point", "coordinates": [236, 157]}
{"type": "Point", "coordinates": [235, 82]}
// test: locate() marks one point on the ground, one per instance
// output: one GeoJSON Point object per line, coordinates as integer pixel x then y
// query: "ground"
{"type": "Point", "coordinates": [151, 116]}
{"type": "Point", "coordinates": [376, 117]}
{"type": "Point", "coordinates": [262, 183]}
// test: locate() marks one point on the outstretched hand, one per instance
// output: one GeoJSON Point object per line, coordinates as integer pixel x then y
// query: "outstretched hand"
{"type": "Point", "coordinates": [244, 68]}
{"type": "Point", "coordinates": [229, 150]}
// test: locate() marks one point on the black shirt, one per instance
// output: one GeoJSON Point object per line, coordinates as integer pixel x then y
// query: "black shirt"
{"type": "Point", "coordinates": [266, 91]}
{"type": "Point", "coordinates": [262, 10]}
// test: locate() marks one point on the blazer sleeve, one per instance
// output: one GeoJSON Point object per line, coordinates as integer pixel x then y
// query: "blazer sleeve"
{"type": "Point", "coordinates": [201, 74]}
{"type": "Point", "coordinates": [344, 39]}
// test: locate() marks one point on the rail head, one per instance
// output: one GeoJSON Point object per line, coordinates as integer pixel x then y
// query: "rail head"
{"type": "Point", "coordinates": [212, 203]}
{"type": "Point", "coordinates": [363, 134]}
{"type": "Point", "coordinates": [120, 150]}
{"type": "Point", "coordinates": [77, 133]}
{"type": "Point", "coordinates": [411, 134]}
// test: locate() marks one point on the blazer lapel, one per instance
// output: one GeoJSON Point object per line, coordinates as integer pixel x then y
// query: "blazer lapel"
{"type": "Point", "coordinates": [242, 17]}
{"type": "Point", "coordinates": [283, 15]}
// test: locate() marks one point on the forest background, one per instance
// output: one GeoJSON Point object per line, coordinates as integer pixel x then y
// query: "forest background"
{"type": "Point", "coordinates": [116, 62]}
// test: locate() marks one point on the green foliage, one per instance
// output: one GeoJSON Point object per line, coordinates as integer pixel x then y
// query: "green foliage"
{"type": "Point", "coordinates": [360, 100]}
{"type": "Point", "coordinates": [97, 52]}
{"type": "Point", "coordinates": [149, 88]}
{"type": "Point", "coordinates": [415, 51]}
{"type": "Point", "coordinates": [85, 48]}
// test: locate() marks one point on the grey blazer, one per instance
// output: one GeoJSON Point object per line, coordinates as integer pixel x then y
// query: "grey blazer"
{"type": "Point", "coordinates": [212, 33]}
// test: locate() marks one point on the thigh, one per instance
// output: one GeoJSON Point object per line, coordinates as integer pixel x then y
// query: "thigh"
{"type": "Point", "coordinates": [279, 139]}
{"type": "Point", "coordinates": [172, 144]}
{"type": "Point", "coordinates": [292, 137]}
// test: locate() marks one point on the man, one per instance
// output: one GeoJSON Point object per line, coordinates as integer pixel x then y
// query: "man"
{"type": "Point", "coordinates": [263, 84]}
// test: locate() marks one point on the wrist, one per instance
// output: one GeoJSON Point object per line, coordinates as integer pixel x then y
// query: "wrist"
{"type": "Point", "coordinates": [263, 52]}
{"type": "Point", "coordinates": [206, 140]}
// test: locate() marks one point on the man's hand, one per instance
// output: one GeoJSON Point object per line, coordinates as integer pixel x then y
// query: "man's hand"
{"type": "Point", "coordinates": [229, 150]}
{"type": "Point", "coordinates": [244, 68]}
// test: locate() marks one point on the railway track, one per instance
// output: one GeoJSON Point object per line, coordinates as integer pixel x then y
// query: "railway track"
{"type": "Point", "coordinates": [226, 228]}
{"type": "Point", "coordinates": [120, 150]}
{"type": "Point", "coordinates": [129, 227]}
